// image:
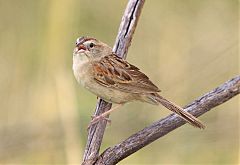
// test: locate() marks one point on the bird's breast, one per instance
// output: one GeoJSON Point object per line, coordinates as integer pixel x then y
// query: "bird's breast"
{"type": "Point", "coordinates": [83, 74]}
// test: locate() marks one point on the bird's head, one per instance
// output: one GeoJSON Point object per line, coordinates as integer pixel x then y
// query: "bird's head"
{"type": "Point", "coordinates": [90, 48]}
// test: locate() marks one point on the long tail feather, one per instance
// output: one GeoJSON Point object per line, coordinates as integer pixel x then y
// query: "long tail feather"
{"type": "Point", "coordinates": [178, 110]}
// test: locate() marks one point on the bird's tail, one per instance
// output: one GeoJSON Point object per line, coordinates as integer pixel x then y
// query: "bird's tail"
{"type": "Point", "coordinates": [176, 109]}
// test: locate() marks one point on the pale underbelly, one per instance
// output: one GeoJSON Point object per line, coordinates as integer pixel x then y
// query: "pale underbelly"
{"type": "Point", "coordinates": [110, 95]}
{"type": "Point", "coordinates": [107, 94]}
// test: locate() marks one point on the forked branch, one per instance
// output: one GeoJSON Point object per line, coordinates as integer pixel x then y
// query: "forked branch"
{"type": "Point", "coordinates": [158, 129]}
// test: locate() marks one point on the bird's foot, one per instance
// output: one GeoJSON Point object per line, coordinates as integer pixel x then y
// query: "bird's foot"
{"type": "Point", "coordinates": [96, 119]}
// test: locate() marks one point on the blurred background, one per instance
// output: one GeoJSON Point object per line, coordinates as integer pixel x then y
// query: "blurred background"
{"type": "Point", "coordinates": [186, 47]}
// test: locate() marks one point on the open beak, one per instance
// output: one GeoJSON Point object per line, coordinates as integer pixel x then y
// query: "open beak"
{"type": "Point", "coordinates": [80, 48]}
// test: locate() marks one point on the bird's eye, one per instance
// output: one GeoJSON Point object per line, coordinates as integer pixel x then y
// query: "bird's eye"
{"type": "Point", "coordinates": [91, 45]}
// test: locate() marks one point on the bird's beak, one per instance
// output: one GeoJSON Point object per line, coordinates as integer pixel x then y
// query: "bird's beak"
{"type": "Point", "coordinates": [80, 48]}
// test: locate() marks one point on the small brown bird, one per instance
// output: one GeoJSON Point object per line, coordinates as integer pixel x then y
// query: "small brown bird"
{"type": "Point", "coordinates": [115, 80]}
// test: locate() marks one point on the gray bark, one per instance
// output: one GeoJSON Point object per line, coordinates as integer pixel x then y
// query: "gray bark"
{"type": "Point", "coordinates": [158, 129]}
{"type": "Point", "coordinates": [123, 41]}
{"type": "Point", "coordinates": [162, 127]}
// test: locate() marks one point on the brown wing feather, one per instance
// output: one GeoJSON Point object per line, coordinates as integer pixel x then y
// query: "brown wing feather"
{"type": "Point", "coordinates": [114, 72]}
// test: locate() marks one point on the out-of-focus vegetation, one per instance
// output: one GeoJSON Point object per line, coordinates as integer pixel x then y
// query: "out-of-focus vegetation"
{"type": "Point", "coordinates": [186, 47]}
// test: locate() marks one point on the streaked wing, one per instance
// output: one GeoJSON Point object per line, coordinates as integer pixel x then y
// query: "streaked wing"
{"type": "Point", "coordinates": [114, 72]}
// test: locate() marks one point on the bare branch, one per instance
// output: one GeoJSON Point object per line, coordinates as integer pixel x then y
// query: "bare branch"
{"type": "Point", "coordinates": [127, 27]}
{"type": "Point", "coordinates": [162, 127]}
{"type": "Point", "coordinates": [158, 129]}
{"type": "Point", "coordinates": [123, 40]}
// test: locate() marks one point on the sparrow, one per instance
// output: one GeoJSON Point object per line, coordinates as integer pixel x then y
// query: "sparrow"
{"type": "Point", "coordinates": [115, 80]}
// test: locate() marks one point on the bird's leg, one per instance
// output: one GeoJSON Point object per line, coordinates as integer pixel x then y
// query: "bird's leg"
{"type": "Point", "coordinates": [96, 119]}
{"type": "Point", "coordinates": [104, 118]}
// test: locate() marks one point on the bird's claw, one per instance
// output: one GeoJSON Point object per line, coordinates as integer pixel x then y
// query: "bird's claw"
{"type": "Point", "coordinates": [96, 119]}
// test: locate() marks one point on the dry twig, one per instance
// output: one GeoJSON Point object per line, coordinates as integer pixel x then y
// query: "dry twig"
{"type": "Point", "coordinates": [123, 40]}
{"type": "Point", "coordinates": [158, 129]}
{"type": "Point", "coordinates": [162, 127]}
